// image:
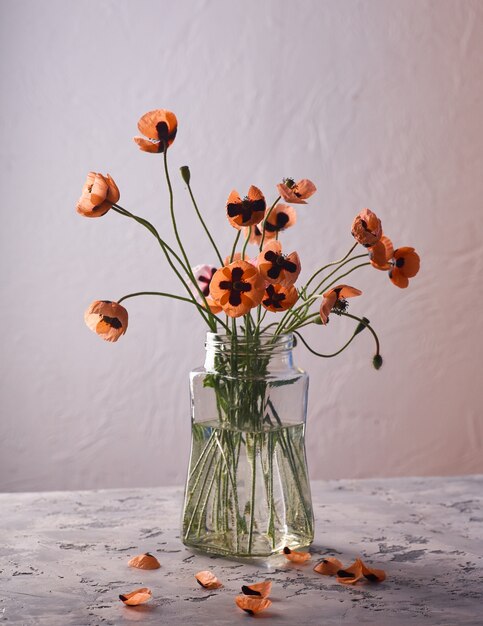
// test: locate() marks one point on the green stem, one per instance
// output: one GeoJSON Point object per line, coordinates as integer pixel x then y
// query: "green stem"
{"type": "Point", "coordinates": [234, 246]}
{"type": "Point", "coordinates": [367, 325]}
{"type": "Point", "coordinates": [265, 221]}
{"type": "Point", "coordinates": [329, 265]}
{"type": "Point", "coordinates": [325, 356]}
{"type": "Point", "coordinates": [252, 498]}
{"type": "Point", "coordinates": [205, 226]}
{"type": "Point", "coordinates": [246, 243]}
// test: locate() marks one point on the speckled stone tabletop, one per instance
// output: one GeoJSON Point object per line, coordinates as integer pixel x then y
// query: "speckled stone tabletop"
{"type": "Point", "coordinates": [63, 558]}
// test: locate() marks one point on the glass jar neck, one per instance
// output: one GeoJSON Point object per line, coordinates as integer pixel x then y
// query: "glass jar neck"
{"type": "Point", "coordinates": [253, 356]}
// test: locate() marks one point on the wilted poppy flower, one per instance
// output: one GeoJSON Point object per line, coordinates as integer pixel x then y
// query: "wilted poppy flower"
{"type": "Point", "coordinates": [296, 557]}
{"type": "Point", "coordinates": [160, 128]}
{"type": "Point", "coordinates": [335, 300]}
{"type": "Point", "coordinates": [405, 265]}
{"type": "Point", "coordinates": [248, 211]}
{"type": "Point", "coordinates": [98, 195]}
{"type": "Point", "coordinates": [251, 604]}
{"type": "Point", "coordinates": [279, 298]}
{"type": "Point", "coordinates": [328, 567]}
{"type": "Point", "coordinates": [107, 319]}
{"type": "Point", "coordinates": [373, 575]}
{"type": "Point", "coordinates": [237, 288]}
{"type": "Point", "coordinates": [366, 228]}
{"type": "Point", "coordinates": [261, 590]}
{"type": "Point", "coordinates": [138, 596]}
{"type": "Point", "coordinates": [208, 580]}
{"type": "Point", "coordinates": [276, 267]}
{"type": "Point", "coordinates": [255, 234]}
{"type": "Point", "coordinates": [281, 217]}
{"type": "Point", "coordinates": [381, 253]}
{"type": "Point", "coordinates": [144, 561]}
{"type": "Point", "coordinates": [296, 193]}
{"type": "Point", "coordinates": [350, 575]}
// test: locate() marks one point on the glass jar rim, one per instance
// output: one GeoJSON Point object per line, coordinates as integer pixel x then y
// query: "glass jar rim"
{"type": "Point", "coordinates": [268, 343]}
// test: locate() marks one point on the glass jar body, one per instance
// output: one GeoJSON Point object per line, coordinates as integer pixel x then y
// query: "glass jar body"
{"type": "Point", "coordinates": [247, 491]}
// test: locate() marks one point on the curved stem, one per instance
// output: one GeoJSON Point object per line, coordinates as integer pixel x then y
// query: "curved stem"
{"type": "Point", "coordinates": [367, 325]}
{"type": "Point", "coordinates": [265, 221]}
{"type": "Point", "coordinates": [234, 246]}
{"type": "Point", "coordinates": [204, 225]}
{"type": "Point", "coordinates": [329, 265]}
{"type": "Point", "coordinates": [325, 356]}
{"type": "Point", "coordinates": [246, 243]}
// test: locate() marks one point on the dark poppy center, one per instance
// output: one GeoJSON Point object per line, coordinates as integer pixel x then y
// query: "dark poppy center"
{"type": "Point", "coordinates": [247, 209]}
{"type": "Point", "coordinates": [112, 321]}
{"type": "Point", "coordinates": [279, 263]}
{"type": "Point", "coordinates": [235, 286]}
{"type": "Point", "coordinates": [281, 221]}
{"type": "Point", "coordinates": [274, 299]}
{"type": "Point", "coordinates": [400, 262]}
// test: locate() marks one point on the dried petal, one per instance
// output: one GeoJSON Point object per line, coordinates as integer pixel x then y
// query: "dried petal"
{"type": "Point", "coordinates": [144, 561]}
{"type": "Point", "coordinates": [261, 590]}
{"type": "Point", "coordinates": [328, 567]}
{"type": "Point", "coordinates": [208, 580]}
{"type": "Point", "coordinates": [350, 575]}
{"type": "Point", "coordinates": [138, 596]}
{"type": "Point", "coordinates": [252, 604]}
{"type": "Point", "coordinates": [373, 575]}
{"type": "Point", "coordinates": [296, 557]}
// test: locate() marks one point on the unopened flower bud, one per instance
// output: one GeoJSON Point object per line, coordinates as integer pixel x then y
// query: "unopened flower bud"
{"type": "Point", "coordinates": [377, 361]}
{"type": "Point", "coordinates": [185, 173]}
{"type": "Point", "coordinates": [361, 325]}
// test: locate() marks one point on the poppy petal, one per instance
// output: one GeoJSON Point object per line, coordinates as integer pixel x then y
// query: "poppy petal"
{"type": "Point", "coordinates": [296, 557]}
{"type": "Point", "coordinates": [138, 596]}
{"type": "Point", "coordinates": [328, 566]}
{"type": "Point", "coordinates": [261, 590]}
{"type": "Point", "coordinates": [208, 580]}
{"type": "Point", "coordinates": [373, 575]}
{"type": "Point", "coordinates": [350, 575]}
{"type": "Point", "coordinates": [144, 561]}
{"type": "Point", "coordinates": [252, 604]}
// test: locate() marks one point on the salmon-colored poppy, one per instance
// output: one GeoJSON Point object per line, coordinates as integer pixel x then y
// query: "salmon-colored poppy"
{"type": "Point", "coordinates": [252, 604]}
{"type": "Point", "coordinates": [381, 253]}
{"type": "Point", "coordinates": [350, 575]}
{"type": "Point", "coordinates": [260, 590]}
{"type": "Point", "coordinates": [406, 264]}
{"type": "Point", "coordinates": [335, 300]}
{"type": "Point", "coordinates": [296, 557]}
{"type": "Point", "coordinates": [107, 319]}
{"type": "Point", "coordinates": [160, 128]}
{"type": "Point", "coordinates": [277, 268]}
{"type": "Point", "coordinates": [255, 234]}
{"type": "Point", "coordinates": [279, 298]}
{"type": "Point", "coordinates": [237, 288]}
{"type": "Point", "coordinates": [246, 212]}
{"type": "Point", "coordinates": [208, 580]}
{"type": "Point", "coordinates": [328, 566]}
{"type": "Point", "coordinates": [280, 218]}
{"type": "Point", "coordinates": [296, 193]}
{"type": "Point", "coordinates": [367, 228]}
{"type": "Point", "coordinates": [238, 257]}
{"type": "Point", "coordinates": [138, 596]}
{"type": "Point", "coordinates": [373, 575]}
{"type": "Point", "coordinates": [98, 195]}
{"type": "Point", "coordinates": [144, 561]}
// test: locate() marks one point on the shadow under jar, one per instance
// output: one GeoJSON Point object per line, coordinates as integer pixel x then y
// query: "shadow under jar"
{"type": "Point", "coordinates": [247, 491]}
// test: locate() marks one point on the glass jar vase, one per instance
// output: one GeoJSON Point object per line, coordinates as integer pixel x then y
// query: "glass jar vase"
{"type": "Point", "coordinates": [247, 491]}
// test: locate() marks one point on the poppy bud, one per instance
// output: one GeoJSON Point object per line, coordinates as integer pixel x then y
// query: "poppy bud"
{"type": "Point", "coordinates": [377, 361]}
{"type": "Point", "coordinates": [185, 173]}
{"type": "Point", "coordinates": [360, 327]}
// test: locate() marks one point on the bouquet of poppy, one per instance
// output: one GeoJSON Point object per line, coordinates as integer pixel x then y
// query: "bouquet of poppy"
{"type": "Point", "coordinates": [248, 283]}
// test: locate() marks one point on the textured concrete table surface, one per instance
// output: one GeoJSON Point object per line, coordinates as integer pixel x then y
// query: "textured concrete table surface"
{"type": "Point", "coordinates": [63, 558]}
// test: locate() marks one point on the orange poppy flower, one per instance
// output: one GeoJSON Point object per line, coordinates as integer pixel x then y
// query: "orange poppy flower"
{"type": "Point", "coordinates": [335, 300]}
{"type": "Point", "coordinates": [208, 580]}
{"type": "Point", "coordinates": [144, 561]}
{"type": "Point", "coordinates": [107, 319]}
{"type": "Point", "coordinates": [351, 574]}
{"type": "Point", "coordinates": [296, 557]}
{"type": "Point", "coordinates": [160, 128]}
{"type": "Point", "coordinates": [246, 212]}
{"type": "Point", "coordinates": [237, 288]}
{"type": "Point", "coordinates": [373, 575]}
{"type": "Point", "coordinates": [138, 596]}
{"type": "Point", "coordinates": [251, 604]}
{"type": "Point", "coordinates": [381, 253]}
{"type": "Point", "coordinates": [98, 195]}
{"type": "Point", "coordinates": [406, 264]}
{"type": "Point", "coordinates": [328, 567]}
{"type": "Point", "coordinates": [279, 298]}
{"type": "Point", "coordinates": [281, 217]}
{"type": "Point", "coordinates": [276, 267]}
{"type": "Point", "coordinates": [261, 590]}
{"type": "Point", "coordinates": [296, 193]}
{"type": "Point", "coordinates": [366, 228]}
{"type": "Point", "coordinates": [255, 234]}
